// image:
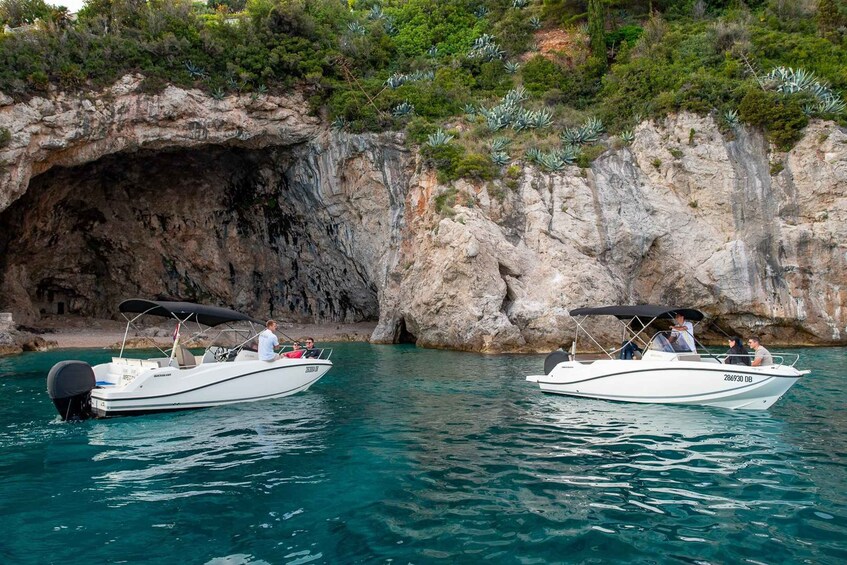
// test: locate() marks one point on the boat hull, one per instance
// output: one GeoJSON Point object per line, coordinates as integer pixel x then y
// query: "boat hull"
{"type": "Point", "coordinates": [169, 389]}
{"type": "Point", "coordinates": [698, 383]}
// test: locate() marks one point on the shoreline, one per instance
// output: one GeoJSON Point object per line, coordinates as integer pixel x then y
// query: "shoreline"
{"type": "Point", "coordinates": [92, 333]}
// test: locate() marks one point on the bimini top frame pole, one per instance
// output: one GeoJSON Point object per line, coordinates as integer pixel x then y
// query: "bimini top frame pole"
{"type": "Point", "coordinates": [625, 315]}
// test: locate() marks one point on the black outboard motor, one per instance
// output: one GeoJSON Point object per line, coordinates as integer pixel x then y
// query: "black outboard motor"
{"type": "Point", "coordinates": [69, 385]}
{"type": "Point", "coordinates": [558, 356]}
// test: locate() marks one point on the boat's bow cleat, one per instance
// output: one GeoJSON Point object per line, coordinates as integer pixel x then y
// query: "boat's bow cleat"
{"type": "Point", "coordinates": [69, 385]}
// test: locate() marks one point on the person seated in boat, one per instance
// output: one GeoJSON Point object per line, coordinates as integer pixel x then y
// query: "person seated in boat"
{"type": "Point", "coordinates": [295, 353]}
{"type": "Point", "coordinates": [310, 352]}
{"type": "Point", "coordinates": [737, 354]}
{"type": "Point", "coordinates": [762, 356]}
{"type": "Point", "coordinates": [682, 336]}
{"type": "Point", "coordinates": [267, 342]}
{"type": "Point", "coordinates": [629, 350]}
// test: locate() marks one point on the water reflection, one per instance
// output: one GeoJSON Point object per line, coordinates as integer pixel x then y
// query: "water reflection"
{"type": "Point", "coordinates": [199, 452]}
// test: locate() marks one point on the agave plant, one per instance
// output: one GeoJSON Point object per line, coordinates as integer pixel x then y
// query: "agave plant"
{"type": "Point", "coordinates": [389, 27]}
{"type": "Point", "coordinates": [520, 4]}
{"type": "Point", "coordinates": [540, 119]}
{"type": "Point", "coordinates": [194, 70]}
{"type": "Point", "coordinates": [516, 95]}
{"type": "Point", "coordinates": [592, 129]}
{"type": "Point", "coordinates": [572, 136]}
{"type": "Point", "coordinates": [403, 109]}
{"type": "Point", "coordinates": [534, 155]}
{"type": "Point", "coordinates": [356, 28]}
{"type": "Point", "coordinates": [552, 162]}
{"type": "Point", "coordinates": [470, 110]}
{"type": "Point", "coordinates": [790, 81]}
{"type": "Point", "coordinates": [262, 89]}
{"type": "Point", "coordinates": [627, 136]}
{"type": "Point", "coordinates": [535, 22]}
{"type": "Point", "coordinates": [339, 123]}
{"type": "Point", "coordinates": [730, 117]}
{"type": "Point", "coordinates": [831, 105]}
{"type": "Point", "coordinates": [568, 154]}
{"type": "Point", "coordinates": [432, 51]}
{"type": "Point", "coordinates": [421, 75]}
{"type": "Point", "coordinates": [376, 13]}
{"type": "Point", "coordinates": [232, 83]}
{"type": "Point", "coordinates": [511, 67]}
{"type": "Point", "coordinates": [218, 93]}
{"type": "Point", "coordinates": [521, 120]}
{"type": "Point", "coordinates": [396, 80]}
{"type": "Point", "coordinates": [438, 138]}
{"type": "Point", "coordinates": [500, 158]}
{"type": "Point", "coordinates": [485, 48]}
{"type": "Point", "coordinates": [498, 144]}
{"type": "Point", "coordinates": [481, 12]}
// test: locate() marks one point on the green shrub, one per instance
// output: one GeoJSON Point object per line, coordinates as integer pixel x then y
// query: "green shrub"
{"type": "Point", "coordinates": [5, 137]}
{"type": "Point", "coordinates": [587, 154]}
{"type": "Point", "coordinates": [477, 167]}
{"type": "Point", "coordinates": [540, 75]}
{"type": "Point", "coordinates": [445, 159]}
{"type": "Point", "coordinates": [781, 116]}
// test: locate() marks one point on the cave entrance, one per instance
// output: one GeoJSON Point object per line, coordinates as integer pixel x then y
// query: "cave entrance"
{"type": "Point", "coordinates": [404, 335]}
{"type": "Point", "coordinates": [211, 225]}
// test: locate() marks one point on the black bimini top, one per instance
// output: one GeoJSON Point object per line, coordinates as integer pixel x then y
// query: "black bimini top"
{"type": "Point", "coordinates": [185, 311]}
{"type": "Point", "coordinates": [640, 311]}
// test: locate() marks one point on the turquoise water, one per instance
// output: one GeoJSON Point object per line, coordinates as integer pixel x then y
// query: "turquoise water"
{"type": "Point", "coordinates": [408, 455]}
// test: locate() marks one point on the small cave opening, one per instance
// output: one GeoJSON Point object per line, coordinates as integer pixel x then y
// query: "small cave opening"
{"type": "Point", "coordinates": [213, 225]}
{"type": "Point", "coordinates": [403, 334]}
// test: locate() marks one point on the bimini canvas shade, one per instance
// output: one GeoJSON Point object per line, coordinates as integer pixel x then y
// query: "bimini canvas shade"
{"type": "Point", "coordinates": [640, 311]}
{"type": "Point", "coordinates": [185, 311]}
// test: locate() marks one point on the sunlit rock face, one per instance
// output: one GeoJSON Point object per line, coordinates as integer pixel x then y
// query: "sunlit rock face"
{"type": "Point", "coordinates": [252, 204]}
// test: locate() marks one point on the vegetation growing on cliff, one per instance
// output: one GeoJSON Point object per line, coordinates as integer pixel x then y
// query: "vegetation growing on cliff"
{"type": "Point", "coordinates": [524, 71]}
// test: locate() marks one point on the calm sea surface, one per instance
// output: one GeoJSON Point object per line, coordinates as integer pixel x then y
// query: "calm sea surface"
{"type": "Point", "coordinates": [408, 455]}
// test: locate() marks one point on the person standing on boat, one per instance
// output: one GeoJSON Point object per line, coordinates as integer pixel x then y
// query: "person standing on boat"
{"type": "Point", "coordinates": [737, 354]}
{"type": "Point", "coordinates": [763, 356]}
{"type": "Point", "coordinates": [682, 336]}
{"type": "Point", "coordinates": [267, 342]}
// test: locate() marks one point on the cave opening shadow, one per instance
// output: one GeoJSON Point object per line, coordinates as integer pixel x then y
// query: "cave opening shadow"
{"type": "Point", "coordinates": [403, 335]}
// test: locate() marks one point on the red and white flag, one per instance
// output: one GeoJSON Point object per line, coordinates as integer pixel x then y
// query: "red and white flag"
{"type": "Point", "coordinates": [176, 332]}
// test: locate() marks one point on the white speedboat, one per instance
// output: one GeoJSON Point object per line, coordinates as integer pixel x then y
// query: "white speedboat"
{"type": "Point", "coordinates": [229, 371]}
{"type": "Point", "coordinates": [663, 375]}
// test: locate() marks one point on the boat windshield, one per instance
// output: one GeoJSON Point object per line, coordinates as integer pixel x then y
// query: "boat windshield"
{"type": "Point", "coordinates": [668, 342]}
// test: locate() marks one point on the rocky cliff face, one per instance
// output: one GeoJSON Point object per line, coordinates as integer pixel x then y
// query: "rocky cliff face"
{"type": "Point", "coordinates": [251, 204]}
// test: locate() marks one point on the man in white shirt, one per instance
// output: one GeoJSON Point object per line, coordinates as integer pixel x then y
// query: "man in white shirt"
{"type": "Point", "coordinates": [267, 342]}
{"type": "Point", "coordinates": [682, 337]}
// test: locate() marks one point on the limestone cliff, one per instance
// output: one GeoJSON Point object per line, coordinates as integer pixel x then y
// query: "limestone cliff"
{"type": "Point", "coordinates": [249, 202]}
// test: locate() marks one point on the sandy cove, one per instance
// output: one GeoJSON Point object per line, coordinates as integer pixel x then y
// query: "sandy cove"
{"type": "Point", "coordinates": [87, 333]}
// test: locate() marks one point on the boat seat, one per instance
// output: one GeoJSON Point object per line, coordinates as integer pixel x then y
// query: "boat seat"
{"type": "Point", "coordinates": [185, 358]}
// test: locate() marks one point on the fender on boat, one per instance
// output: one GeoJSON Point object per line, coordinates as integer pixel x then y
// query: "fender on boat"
{"type": "Point", "coordinates": [69, 384]}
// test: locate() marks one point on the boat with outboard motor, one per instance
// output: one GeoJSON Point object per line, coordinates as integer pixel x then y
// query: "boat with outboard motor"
{"type": "Point", "coordinates": [667, 372]}
{"type": "Point", "coordinates": [229, 371]}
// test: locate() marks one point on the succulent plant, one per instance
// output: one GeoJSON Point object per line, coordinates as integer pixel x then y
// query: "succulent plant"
{"type": "Point", "coordinates": [535, 22]}
{"type": "Point", "coordinates": [403, 109]}
{"type": "Point", "coordinates": [218, 93]}
{"type": "Point", "coordinates": [534, 155]}
{"type": "Point", "coordinates": [389, 27]}
{"type": "Point", "coordinates": [511, 67]}
{"type": "Point", "coordinates": [232, 83]}
{"type": "Point", "coordinates": [432, 51]}
{"type": "Point", "coordinates": [376, 13]}
{"type": "Point", "coordinates": [730, 117]}
{"type": "Point", "coordinates": [792, 81]}
{"type": "Point", "coordinates": [262, 89]}
{"type": "Point", "coordinates": [520, 4]}
{"type": "Point", "coordinates": [592, 129]}
{"type": "Point", "coordinates": [339, 123]}
{"type": "Point", "coordinates": [500, 158]}
{"type": "Point", "coordinates": [194, 70]}
{"type": "Point", "coordinates": [470, 110]}
{"type": "Point", "coordinates": [516, 95]}
{"type": "Point", "coordinates": [481, 12]}
{"type": "Point", "coordinates": [540, 119]}
{"type": "Point", "coordinates": [438, 138]}
{"type": "Point", "coordinates": [485, 48]}
{"type": "Point", "coordinates": [356, 28]}
{"type": "Point", "coordinates": [627, 136]}
{"type": "Point", "coordinates": [498, 144]}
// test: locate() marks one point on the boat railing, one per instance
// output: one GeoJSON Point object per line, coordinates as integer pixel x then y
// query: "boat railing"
{"type": "Point", "coordinates": [779, 358]}
{"type": "Point", "coordinates": [323, 353]}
